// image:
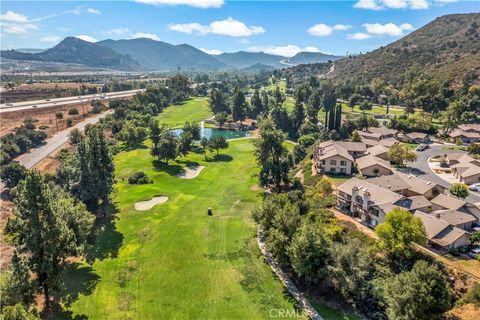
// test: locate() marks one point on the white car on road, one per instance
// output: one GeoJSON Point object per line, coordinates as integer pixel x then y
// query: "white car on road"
{"type": "Point", "coordinates": [475, 187]}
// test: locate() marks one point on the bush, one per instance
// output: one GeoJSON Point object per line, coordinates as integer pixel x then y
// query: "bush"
{"type": "Point", "coordinates": [306, 140]}
{"type": "Point", "coordinates": [12, 173]}
{"type": "Point", "coordinates": [73, 111]}
{"type": "Point", "coordinates": [69, 122]}
{"type": "Point", "coordinates": [139, 178]}
{"type": "Point", "coordinates": [96, 109]}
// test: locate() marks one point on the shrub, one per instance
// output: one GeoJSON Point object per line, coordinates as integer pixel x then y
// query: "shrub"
{"type": "Point", "coordinates": [69, 122]}
{"type": "Point", "coordinates": [306, 140]}
{"type": "Point", "coordinates": [96, 109]}
{"type": "Point", "coordinates": [139, 178]}
{"type": "Point", "coordinates": [73, 111]}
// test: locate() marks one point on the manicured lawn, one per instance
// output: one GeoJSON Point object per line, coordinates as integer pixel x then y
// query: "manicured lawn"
{"type": "Point", "coordinates": [375, 110]}
{"type": "Point", "coordinates": [175, 261]}
{"type": "Point", "coordinates": [195, 109]}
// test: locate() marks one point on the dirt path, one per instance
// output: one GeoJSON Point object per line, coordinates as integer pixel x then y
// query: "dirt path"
{"type": "Point", "coordinates": [302, 301]}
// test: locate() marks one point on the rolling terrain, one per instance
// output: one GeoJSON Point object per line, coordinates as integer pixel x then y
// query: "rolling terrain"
{"type": "Point", "coordinates": [444, 49]}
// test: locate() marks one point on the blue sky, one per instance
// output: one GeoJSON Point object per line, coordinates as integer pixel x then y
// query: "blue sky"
{"type": "Point", "coordinates": [281, 27]}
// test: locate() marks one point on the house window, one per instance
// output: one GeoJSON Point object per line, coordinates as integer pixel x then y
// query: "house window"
{"type": "Point", "coordinates": [333, 162]}
{"type": "Point", "coordinates": [332, 170]}
{"type": "Point", "coordinates": [373, 223]}
{"type": "Point", "coordinates": [376, 171]}
{"type": "Point", "coordinates": [323, 162]}
{"type": "Point", "coordinates": [343, 163]}
{"type": "Point", "coordinates": [375, 212]}
{"type": "Point", "coordinates": [343, 170]}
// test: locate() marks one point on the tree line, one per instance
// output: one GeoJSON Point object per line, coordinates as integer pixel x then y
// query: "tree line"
{"type": "Point", "coordinates": [384, 279]}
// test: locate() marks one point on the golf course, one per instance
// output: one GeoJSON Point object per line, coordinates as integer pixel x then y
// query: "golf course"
{"type": "Point", "coordinates": [174, 261]}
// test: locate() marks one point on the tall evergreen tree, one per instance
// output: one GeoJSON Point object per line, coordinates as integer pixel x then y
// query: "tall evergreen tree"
{"type": "Point", "coordinates": [313, 107]}
{"type": "Point", "coordinates": [238, 105]}
{"type": "Point", "coordinates": [47, 225]}
{"type": "Point", "coordinates": [298, 116]}
{"type": "Point", "coordinates": [257, 105]}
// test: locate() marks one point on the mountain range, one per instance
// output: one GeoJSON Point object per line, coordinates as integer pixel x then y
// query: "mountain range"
{"type": "Point", "coordinates": [144, 54]}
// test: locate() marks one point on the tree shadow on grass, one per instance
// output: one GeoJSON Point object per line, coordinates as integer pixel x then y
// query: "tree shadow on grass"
{"type": "Point", "coordinates": [107, 240]}
{"type": "Point", "coordinates": [171, 169]}
{"type": "Point", "coordinates": [220, 158]}
{"type": "Point", "coordinates": [77, 279]}
{"type": "Point", "coordinates": [140, 145]}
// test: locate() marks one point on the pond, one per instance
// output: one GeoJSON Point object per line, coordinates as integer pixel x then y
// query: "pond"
{"type": "Point", "coordinates": [210, 132]}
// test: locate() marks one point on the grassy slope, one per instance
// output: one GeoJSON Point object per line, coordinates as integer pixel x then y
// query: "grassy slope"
{"type": "Point", "coordinates": [195, 109]}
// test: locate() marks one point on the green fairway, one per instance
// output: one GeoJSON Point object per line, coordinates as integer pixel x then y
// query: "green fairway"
{"type": "Point", "coordinates": [175, 261]}
{"type": "Point", "coordinates": [195, 109]}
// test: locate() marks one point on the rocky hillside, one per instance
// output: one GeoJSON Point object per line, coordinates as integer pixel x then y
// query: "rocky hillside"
{"type": "Point", "coordinates": [446, 48]}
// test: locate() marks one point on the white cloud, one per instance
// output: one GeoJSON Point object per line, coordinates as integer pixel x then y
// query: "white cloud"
{"type": "Point", "coordinates": [212, 51]}
{"type": "Point", "coordinates": [368, 4]}
{"type": "Point", "coordinates": [323, 30]}
{"type": "Point", "coordinates": [388, 29]}
{"type": "Point", "coordinates": [53, 39]}
{"type": "Point", "coordinates": [244, 41]}
{"type": "Point", "coordinates": [17, 28]}
{"type": "Point", "coordinates": [146, 35]}
{"type": "Point", "coordinates": [192, 3]}
{"type": "Point", "coordinates": [228, 27]}
{"type": "Point", "coordinates": [286, 51]}
{"type": "Point", "coordinates": [93, 11]}
{"type": "Point", "coordinates": [393, 4]}
{"type": "Point", "coordinates": [13, 17]}
{"type": "Point", "coordinates": [116, 32]}
{"type": "Point", "coordinates": [406, 26]}
{"type": "Point", "coordinates": [419, 4]}
{"type": "Point", "coordinates": [87, 38]}
{"type": "Point", "coordinates": [359, 36]}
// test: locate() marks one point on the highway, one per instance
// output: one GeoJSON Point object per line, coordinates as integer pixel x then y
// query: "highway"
{"type": "Point", "coordinates": [47, 103]}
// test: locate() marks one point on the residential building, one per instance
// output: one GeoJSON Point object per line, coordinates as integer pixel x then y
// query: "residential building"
{"type": "Point", "coordinates": [442, 234]}
{"type": "Point", "coordinates": [467, 133]}
{"type": "Point", "coordinates": [332, 158]}
{"type": "Point", "coordinates": [408, 185]}
{"type": "Point", "coordinates": [371, 166]}
{"type": "Point", "coordinates": [379, 151]}
{"type": "Point", "coordinates": [415, 137]}
{"type": "Point", "coordinates": [467, 170]}
{"type": "Point", "coordinates": [447, 220]}
{"type": "Point", "coordinates": [378, 133]}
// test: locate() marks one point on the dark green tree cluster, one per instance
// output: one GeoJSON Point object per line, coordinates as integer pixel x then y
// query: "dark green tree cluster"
{"type": "Point", "coordinates": [271, 155]}
{"type": "Point", "coordinates": [88, 173]}
{"type": "Point", "coordinates": [47, 226]}
{"type": "Point", "coordinates": [20, 141]}
{"type": "Point", "coordinates": [384, 279]}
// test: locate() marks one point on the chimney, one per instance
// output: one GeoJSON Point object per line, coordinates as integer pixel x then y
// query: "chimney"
{"type": "Point", "coordinates": [366, 199]}
{"type": "Point", "coordinates": [354, 194]}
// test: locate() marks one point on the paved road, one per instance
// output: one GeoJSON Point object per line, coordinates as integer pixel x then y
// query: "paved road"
{"type": "Point", "coordinates": [421, 168]}
{"type": "Point", "coordinates": [25, 105]}
{"type": "Point", "coordinates": [36, 155]}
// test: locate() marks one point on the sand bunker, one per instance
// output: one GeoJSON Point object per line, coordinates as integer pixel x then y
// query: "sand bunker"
{"type": "Point", "coordinates": [147, 205]}
{"type": "Point", "coordinates": [191, 172]}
